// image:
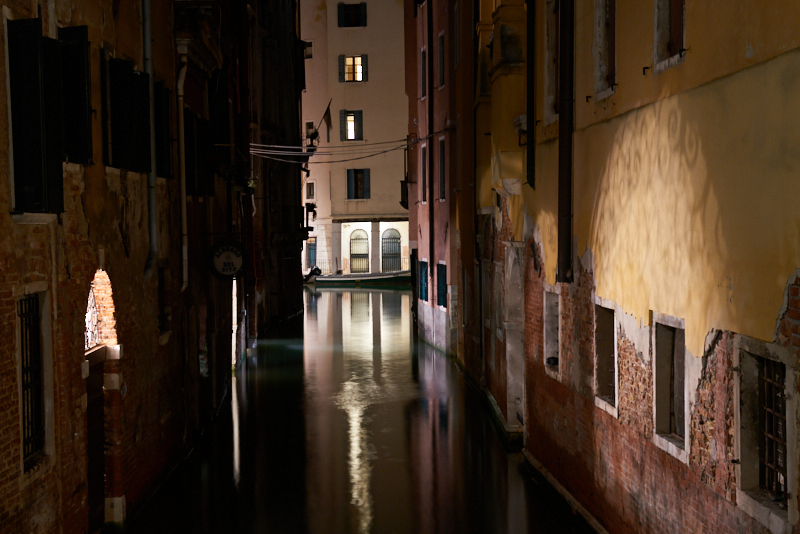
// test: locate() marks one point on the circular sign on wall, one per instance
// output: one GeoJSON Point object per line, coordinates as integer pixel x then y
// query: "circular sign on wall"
{"type": "Point", "coordinates": [227, 260]}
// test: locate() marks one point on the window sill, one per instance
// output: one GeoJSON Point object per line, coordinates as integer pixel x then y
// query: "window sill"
{"type": "Point", "coordinates": [356, 199]}
{"type": "Point", "coordinates": [605, 93]}
{"type": "Point", "coordinates": [440, 199]}
{"type": "Point", "coordinates": [551, 371]}
{"type": "Point", "coordinates": [762, 509]}
{"type": "Point", "coordinates": [606, 407]}
{"type": "Point", "coordinates": [671, 61]}
{"type": "Point", "coordinates": [672, 445]}
{"type": "Point", "coordinates": [34, 218]}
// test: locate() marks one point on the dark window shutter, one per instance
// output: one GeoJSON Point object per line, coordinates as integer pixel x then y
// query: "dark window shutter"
{"type": "Point", "coordinates": [53, 125]}
{"type": "Point", "coordinates": [161, 97]}
{"type": "Point", "coordinates": [140, 104]}
{"type": "Point", "coordinates": [363, 13]}
{"type": "Point", "coordinates": [364, 67]}
{"type": "Point", "coordinates": [341, 68]}
{"type": "Point", "coordinates": [36, 117]}
{"type": "Point", "coordinates": [340, 13]}
{"type": "Point", "coordinates": [441, 285]}
{"type": "Point", "coordinates": [359, 125]}
{"type": "Point", "coordinates": [77, 83]}
{"type": "Point", "coordinates": [366, 183]}
{"type": "Point", "coordinates": [343, 124]}
{"type": "Point", "coordinates": [189, 146]}
{"type": "Point", "coordinates": [351, 183]}
{"type": "Point", "coordinates": [675, 26]}
{"type": "Point", "coordinates": [205, 164]}
{"type": "Point", "coordinates": [121, 93]}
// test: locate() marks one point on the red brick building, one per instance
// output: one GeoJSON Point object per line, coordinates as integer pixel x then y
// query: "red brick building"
{"type": "Point", "coordinates": [127, 168]}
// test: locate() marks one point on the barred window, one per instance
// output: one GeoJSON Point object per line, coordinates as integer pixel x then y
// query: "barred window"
{"type": "Point", "coordinates": [32, 389]}
{"type": "Point", "coordinates": [772, 429]}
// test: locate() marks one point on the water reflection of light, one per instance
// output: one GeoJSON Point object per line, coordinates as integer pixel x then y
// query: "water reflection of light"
{"type": "Point", "coordinates": [235, 413]}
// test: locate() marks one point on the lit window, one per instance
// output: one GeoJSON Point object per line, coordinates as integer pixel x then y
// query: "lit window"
{"type": "Point", "coordinates": [351, 127]}
{"type": "Point", "coordinates": [352, 69]}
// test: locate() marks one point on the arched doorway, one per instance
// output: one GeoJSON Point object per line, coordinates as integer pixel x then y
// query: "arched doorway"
{"type": "Point", "coordinates": [100, 333]}
{"type": "Point", "coordinates": [390, 251]}
{"type": "Point", "coordinates": [359, 252]}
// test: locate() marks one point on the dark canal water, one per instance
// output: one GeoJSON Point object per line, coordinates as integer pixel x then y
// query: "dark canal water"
{"type": "Point", "coordinates": [354, 429]}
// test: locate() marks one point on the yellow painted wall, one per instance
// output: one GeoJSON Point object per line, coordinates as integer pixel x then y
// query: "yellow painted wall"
{"type": "Point", "coordinates": [690, 205]}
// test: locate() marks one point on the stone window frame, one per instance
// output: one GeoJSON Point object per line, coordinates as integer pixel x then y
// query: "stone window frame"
{"type": "Point", "coordinates": [658, 30]}
{"type": "Point", "coordinates": [554, 373]}
{"type": "Point", "coordinates": [48, 452]}
{"type": "Point", "coordinates": [599, 402]}
{"type": "Point", "coordinates": [750, 500]}
{"type": "Point", "coordinates": [666, 443]}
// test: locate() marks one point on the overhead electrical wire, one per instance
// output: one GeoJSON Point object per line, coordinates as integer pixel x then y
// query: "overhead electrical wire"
{"type": "Point", "coordinates": [267, 156]}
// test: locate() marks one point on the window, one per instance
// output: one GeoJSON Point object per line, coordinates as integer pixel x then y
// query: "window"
{"type": "Point", "coordinates": [605, 343]}
{"type": "Point", "coordinates": [423, 280]}
{"type": "Point", "coordinates": [353, 68]}
{"type": "Point", "coordinates": [605, 76]}
{"type": "Point", "coordinates": [311, 252]}
{"type": "Point", "coordinates": [424, 174]}
{"type": "Point", "coordinates": [669, 381]}
{"type": "Point", "coordinates": [669, 32]}
{"type": "Point", "coordinates": [551, 332]}
{"type": "Point", "coordinates": [309, 129]}
{"type": "Point", "coordinates": [423, 74]}
{"type": "Point", "coordinates": [442, 184]}
{"type": "Point", "coordinates": [441, 285]}
{"type": "Point", "coordinates": [765, 440]}
{"type": "Point", "coordinates": [30, 338]}
{"type": "Point", "coordinates": [551, 62]}
{"type": "Point", "coordinates": [352, 15]}
{"type": "Point", "coordinates": [441, 60]}
{"type": "Point", "coordinates": [162, 99]}
{"type": "Point", "coordinates": [77, 82]}
{"type": "Point", "coordinates": [456, 32]}
{"type": "Point", "coordinates": [351, 125]}
{"type": "Point", "coordinates": [310, 190]}
{"type": "Point", "coordinates": [308, 47]}
{"type": "Point", "coordinates": [34, 81]}
{"type": "Point", "coordinates": [359, 252]}
{"type": "Point", "coordinates": [390, 251]}
{"type": "Point", "coordinates": [357, 184]}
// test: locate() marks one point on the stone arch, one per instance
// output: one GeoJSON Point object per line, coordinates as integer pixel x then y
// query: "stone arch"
{"type": "Point", "coordinates": [101, 323]}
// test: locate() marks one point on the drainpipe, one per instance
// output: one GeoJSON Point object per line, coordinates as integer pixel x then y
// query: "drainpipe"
{"type": "Point", "coordinates": [182, 50]}
{"type": "Point", "coordinates": [431, 166]}
{"type": "Point", "coordinates": [531, 97]}
{"type": "Point", "coordinates": [152, 215]}
{"type": "Point", "coordinates": [565, 127]}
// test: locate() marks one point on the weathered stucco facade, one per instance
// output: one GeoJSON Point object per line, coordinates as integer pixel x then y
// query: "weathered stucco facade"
{"type": "Point", "coordinates": [651, 230]}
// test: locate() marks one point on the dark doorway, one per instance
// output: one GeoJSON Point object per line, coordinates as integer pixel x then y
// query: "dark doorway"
{"type": "Point", "coordinates": [95, 447]}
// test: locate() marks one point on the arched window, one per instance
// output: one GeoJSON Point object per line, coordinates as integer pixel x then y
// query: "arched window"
{"type": "Point", "coordinates": [101, 327]}
{"type": "Point", "coordinates": [359, 252]}
{"type": "Point", "coordinates": [390, 251]}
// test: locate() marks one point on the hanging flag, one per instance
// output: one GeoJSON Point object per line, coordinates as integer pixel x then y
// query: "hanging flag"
{"type": "Point", "coordinates": [327, 117]}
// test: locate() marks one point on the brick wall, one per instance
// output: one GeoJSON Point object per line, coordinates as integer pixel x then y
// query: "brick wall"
{"type": "Point", "coordinates": [610, 464]}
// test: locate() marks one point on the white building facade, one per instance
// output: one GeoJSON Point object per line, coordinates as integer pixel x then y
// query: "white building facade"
{"type": "Point", "coordinates": [354, 61]}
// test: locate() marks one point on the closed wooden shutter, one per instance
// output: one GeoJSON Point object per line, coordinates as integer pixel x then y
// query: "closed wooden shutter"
{"type": "Point", "coordinates": [359, 120]}
{"type": "Point", "coordinates": [140, 121]}
{"type": "Point", "coordinates": [364, 69]}
{"type": "Point", "coordinates": [366, 183]}
{"type": "Point", "coordinates": [351, 183]}
{"type": "Point", "coordinates": [343, 124]}
{"type": "Point", "coordinates": [675, 27]}
{"type": "Point", "coordinates": [341, 68]}
{"type": "Point", "coordinates": [161, 97]}
{"type": "Point", "coordinates": [76, 85]}
{"type": "Point", "coordinates": [363, 13]}
{"type": "Point", "coordinates": [340, 13]}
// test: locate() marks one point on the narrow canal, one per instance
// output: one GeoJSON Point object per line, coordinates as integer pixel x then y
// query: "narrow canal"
{"type": "Point", "coordinates": [354, 429]}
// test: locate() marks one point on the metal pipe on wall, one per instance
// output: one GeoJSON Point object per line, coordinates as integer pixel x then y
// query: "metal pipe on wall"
{"type": "Point", "coordinates": [566, 107]}
{"type": "Point", "coordinates": [152, 207]}
{"type": "Point", "coordinates": [182, 160]}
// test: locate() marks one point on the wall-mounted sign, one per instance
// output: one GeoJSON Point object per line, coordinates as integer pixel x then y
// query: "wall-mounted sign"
{"type": "Point", "coordinates": [227, 260]}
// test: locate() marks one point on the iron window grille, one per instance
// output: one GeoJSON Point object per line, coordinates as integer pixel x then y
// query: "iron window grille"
{"type": "Point", "coordinates": [32, 388]}
{"type": "Point", "coordinates": [359, 252]}
{"type": "Point", "coordinates": [423, 280]}
{"type": "Point", "coordinates": [390, 251]}
{"type": "Point", "coordinates": [772, 429]}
